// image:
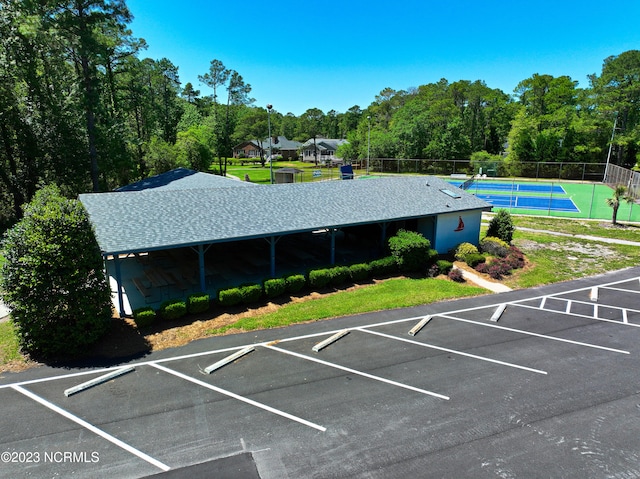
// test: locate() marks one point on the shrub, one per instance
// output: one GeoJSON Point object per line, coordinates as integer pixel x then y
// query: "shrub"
{"type": "Point", "coordinates": [444, 266]}
{"type": "Point", "coordinates": [474, 259]}
{"type": "Point", "coordinates": [275, 287]}
{"type": "Point", "coordinates": [53, 278]}
{"type": "Point", "coordinates": [295, 283]}
{"type": "Point", "coordinates": [230, 296]}
{"type": "Point", "coordinates": [319, 278]}
{"type": "Point", "coordinates": [250, 293]}
{"type": "Point", "coordinates": [464, 249]}
{"type": "Point", "coordinates": [383, 266]}
{"type": "Point", "coordinates": [339, 275]}
{"type": "Point", "coordinates": [494, 246]}
{"type": "Point", "coordinates": [411, 250]}
{"type": "Point", "coordinates": [144, 316]}
{"type": "Point", "coordinates": [172, 309]}
{"type": "Point", "coordinates": [433, 270]}
{"type": "Point", "coordinates": [360, 271]}
{"type": "Point", "coordinates": [198, 303]}
{"type": "Point", "coordinates": [501, 226]}
{"type": "Point", "coordinates": [456, 275]}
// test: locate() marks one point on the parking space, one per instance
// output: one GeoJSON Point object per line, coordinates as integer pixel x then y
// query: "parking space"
{"type": "Point", "coordinates": [518, 384]}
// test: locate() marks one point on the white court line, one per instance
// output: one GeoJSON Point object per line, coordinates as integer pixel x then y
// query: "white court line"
{"type": "Point", "coordinates": [239, 398]}
{"type": "Point", "coordinates": [452, 351]}
{"type": "Point", "coordinates": [577, 315]}
{"type": "Point", "coordinates": [359, 373]}
{"type": "Point", "coordinates": [528, 333]}
{"type": "Point", "coordinates": [92, 428]}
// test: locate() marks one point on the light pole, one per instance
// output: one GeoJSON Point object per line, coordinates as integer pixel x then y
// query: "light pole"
{"type": "Point", "coordinates": [613, 134]}
{"type": "Point", "coordinates": [269, 107]}
{"type": "Point", "coordinates": [368, 143]}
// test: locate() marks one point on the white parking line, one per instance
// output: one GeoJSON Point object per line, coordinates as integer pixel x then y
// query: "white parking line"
{"type": "Point", "coordinates": [528, 333]}
{"type": "Point", "coordinates": [452, 351]}
{"type": "Point", "coordinates": [92, 428]}
{"type": "Point", "coordinates": [238, 397]}
{"type": "Point", "coordinates": [359, 373]}
{"type": "Point", "coordinates": [577, 315]}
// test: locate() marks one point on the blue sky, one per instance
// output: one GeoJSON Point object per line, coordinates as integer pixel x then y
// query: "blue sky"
{"type": "Point", "coordinates": [336, 54]}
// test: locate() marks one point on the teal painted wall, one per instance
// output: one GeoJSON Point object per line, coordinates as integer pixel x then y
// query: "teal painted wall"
{"type": "Point", "coordinates": [454, 228]}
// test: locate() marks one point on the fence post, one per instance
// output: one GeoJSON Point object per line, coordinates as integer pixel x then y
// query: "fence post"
{"type": "Point", "coordinates": [593, 193]}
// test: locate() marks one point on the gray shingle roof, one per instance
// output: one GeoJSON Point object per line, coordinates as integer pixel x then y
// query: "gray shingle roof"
{"type": "Point", "coordinates": [182, 179]}
{"type": "Point", "coordinates": [162, 219]}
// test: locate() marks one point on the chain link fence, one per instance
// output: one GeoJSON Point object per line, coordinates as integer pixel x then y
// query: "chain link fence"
{"type": "Point", "coordinates": [535, 170]}
{"type": "Point", "coordinates": [616, 175]}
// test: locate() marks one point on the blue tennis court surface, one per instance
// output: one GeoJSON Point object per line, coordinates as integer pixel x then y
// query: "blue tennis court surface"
{"type": "Point", "coordinates": [531, 202]}
{"type": "Point", "coordinates": [515, 187]}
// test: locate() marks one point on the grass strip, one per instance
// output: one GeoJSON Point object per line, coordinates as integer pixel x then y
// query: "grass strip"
{"type": "Point", "coordinates": [390, 294]}
{"type": "Point", "coordinates": [9, 348]}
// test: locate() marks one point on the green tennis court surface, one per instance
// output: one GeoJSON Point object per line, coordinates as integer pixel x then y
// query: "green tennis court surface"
{"type": "Point", "coordinates": [563, 199]}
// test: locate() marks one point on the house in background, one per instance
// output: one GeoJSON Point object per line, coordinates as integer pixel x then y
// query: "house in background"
{"type": "Point", "coordinates": [280, 145]}
{"type": "Point", "coordinates": [322, 150]}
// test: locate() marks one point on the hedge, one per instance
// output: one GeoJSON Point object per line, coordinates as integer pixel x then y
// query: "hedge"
{"type": "Point", "coordinates": [229, 296]}
{"type": "Point", "coordinates": [274, 287]}
{"type": "Point", "coordinates": [383, 266]}
{"type": "Point", "coordinates": [339, 275]}
{"type": "Point", "coordinates": [198, 303]}
{"type": "Point", "coordinates": [360, 271]}
{"type": "Point", "coordinates": [295, 282]}
{"type": "Point", "coordinates": [172, 309]}
{"type": "Point", "coordinates": [250, 293]}
{"type": "Point", "coordinates": [144, 316]}
{"type": "Point", "coordinates": [319, 278]}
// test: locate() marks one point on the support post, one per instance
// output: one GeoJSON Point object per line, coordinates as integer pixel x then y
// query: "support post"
{"type": "Point", "coordinates": [116, 263]}
{"type": "Point", "coordinates": [333, 246]}
{"type": "Point", "coordinates": [203, 287]}
{"type": "Point", "coordinates": [272, 255]}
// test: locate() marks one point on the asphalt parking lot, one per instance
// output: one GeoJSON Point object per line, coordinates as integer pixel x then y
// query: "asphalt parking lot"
{"type": "Point", "coordinates": [531, 383]}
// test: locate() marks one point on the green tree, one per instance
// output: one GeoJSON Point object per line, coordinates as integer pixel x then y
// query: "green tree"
{"type": "Point", "coordinates": [53, 278]}
{"type": "Point", "coordinates": [501, 226]}
{"type": "Point", "coordinates": [619, 195]}
{"type": "Point", "coordinates": [617, 94]}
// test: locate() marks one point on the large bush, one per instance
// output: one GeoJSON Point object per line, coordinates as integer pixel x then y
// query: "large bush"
{"type": "Point", "coordinates": [501, 226]}
{"type": "Point", "coordinates": [411, 250]}
{"type": "Point", "coordinates": [53, 278]}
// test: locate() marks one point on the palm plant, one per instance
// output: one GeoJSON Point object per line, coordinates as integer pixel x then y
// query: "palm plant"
{"type": "Point", "coordinates": [619, 194]}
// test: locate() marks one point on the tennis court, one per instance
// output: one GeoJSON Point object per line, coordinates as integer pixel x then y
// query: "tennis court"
{"type": "Point", "coordinates": [530, 202]}
{"type": "Point", "coordinates": [551, 198]}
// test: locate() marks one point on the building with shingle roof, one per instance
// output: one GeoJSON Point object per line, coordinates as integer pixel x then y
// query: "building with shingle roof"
{"type": "Point", "coordinates": [188, 215]}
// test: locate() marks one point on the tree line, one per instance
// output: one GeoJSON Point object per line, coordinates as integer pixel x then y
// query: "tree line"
{"type": "Point", "coordinates": [82, 108]}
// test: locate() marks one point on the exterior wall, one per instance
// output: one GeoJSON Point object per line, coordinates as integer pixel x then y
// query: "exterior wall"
{"type": "Point", "coordinates": [249, 151]}
{"type": "Point", "coordinates": [451, 229]}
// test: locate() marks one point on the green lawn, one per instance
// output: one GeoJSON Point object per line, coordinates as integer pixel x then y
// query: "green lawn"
{"type": "Point", "coordinates": [259, 174]}
{"type": "Point", "coordinates": [391, 294]}
{"type": "Point", "coordinates": [9, 350]}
